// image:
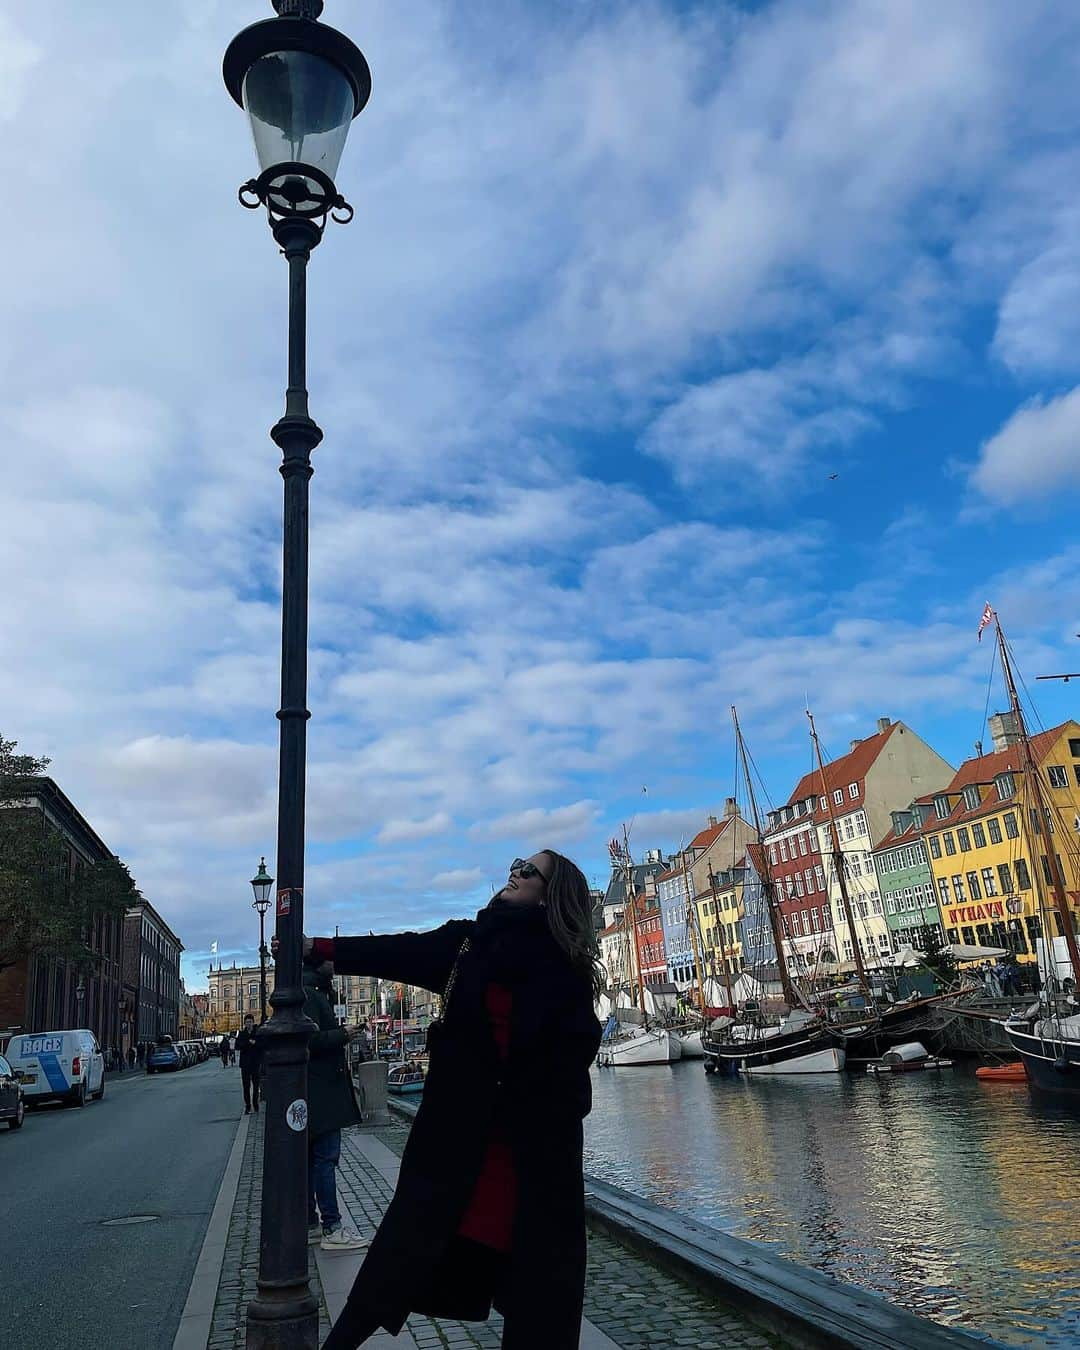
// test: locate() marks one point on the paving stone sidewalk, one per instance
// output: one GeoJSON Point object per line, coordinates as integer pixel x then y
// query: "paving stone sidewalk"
{"type": "Point", "coordinates": [638, 1305]}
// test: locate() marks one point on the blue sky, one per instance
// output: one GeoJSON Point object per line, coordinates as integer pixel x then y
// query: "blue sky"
{"type": "Point", "coordinates": [627, 283]}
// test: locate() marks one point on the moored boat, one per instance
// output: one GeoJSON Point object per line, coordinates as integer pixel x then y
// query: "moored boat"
{"type": "Point", "coordinates": [800, 1044]}
{"type": "Point", "coordinates": [689, 1039]}
{"type": "Point", "coordinates": [1049, 1049]}
{"type": "Point", "coordinates": [1002, 1073]}
{"type": "Point", "coordinates": [405, 1079]}
{"type": "Point", "coordinates": [624, 1046]}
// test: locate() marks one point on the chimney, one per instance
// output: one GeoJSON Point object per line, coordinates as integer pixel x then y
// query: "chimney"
{"type": "Point", "coordinates": [1004, 730]}
{"type": "Point", "coordinates": [730, 808]}
{"type": "Point", "coordinates": [855, 742]}
{"type": "Point", "coordinates": [884, 723]}
{"type": "Point", "coordinates": [713, 822]}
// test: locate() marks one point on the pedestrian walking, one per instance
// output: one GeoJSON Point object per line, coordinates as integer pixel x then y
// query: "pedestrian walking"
{"type": "Point", "coordinates": [117, 1059]}
{"type": "Point", "coordinates": [250, 1054]}
{"type": "Point", "coordinates": [331, 1106]}
{"type": "Point", "coordinates": [132, 1056]}
{"type": "Point", "coordinates": [489, 1207]}
{"type": "Point", "coordinates": [223, 1051]}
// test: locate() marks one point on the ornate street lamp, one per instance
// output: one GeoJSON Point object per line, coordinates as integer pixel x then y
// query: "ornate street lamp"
{"type": "Point", "coordinates": [301, 85]}
{"type": "Point", "coordinates": [261, 884]}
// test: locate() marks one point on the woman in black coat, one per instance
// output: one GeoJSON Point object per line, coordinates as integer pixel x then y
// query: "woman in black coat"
{"type": "Point", "coordinates": [490, 1207]}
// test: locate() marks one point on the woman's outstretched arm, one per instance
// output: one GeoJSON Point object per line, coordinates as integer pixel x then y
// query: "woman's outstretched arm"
{"type": "Point", "coordinates": [423, 959]}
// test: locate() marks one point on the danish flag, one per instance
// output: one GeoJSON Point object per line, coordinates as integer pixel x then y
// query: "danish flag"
{"type": "Point", "coordinates": [988, 617]}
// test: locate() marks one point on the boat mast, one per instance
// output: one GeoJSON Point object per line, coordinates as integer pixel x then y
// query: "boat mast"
{"type": "Point", "coordinates": [632, 911]}
{"type": "Point", "coordinates": [838, 862]}
{"type": "Point", "coordinates": [768, 886]}
{"type": "Point", "coordinates": [1031, 772]}
{"type": "Point", "coordinates": [723, 944]}
{"type": "Point", "coordinates": [691, 923]}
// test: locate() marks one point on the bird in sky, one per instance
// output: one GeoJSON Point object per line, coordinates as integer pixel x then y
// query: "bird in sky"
{"type": "Point", "coordinates": [832, 476]}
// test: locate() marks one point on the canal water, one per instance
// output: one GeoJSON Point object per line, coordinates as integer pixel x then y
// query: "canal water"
{"type": "Point", "coordinates": [957, 1199]}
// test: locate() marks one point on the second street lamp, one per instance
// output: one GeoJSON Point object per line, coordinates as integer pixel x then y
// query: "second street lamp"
{"type": "Point", "coordinates": [262, 883]}
{"type": "Point", "coordinates": [301, 85]}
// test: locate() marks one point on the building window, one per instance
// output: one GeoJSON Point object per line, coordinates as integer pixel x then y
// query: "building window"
{"type": "Point", "coordinates": [978, 834]}
{"type": "Point", "coordinates": [973, 886]}
{"type": "Point", "coordinates": [824, 802]}
{"type": "Point", "coordinates": [1057, 776]}
{"type": "Point", "coordinates": [1006, 787]}
{"type": "Point", "coordinates": [989, 885]}
{"type": "Point", "coordinates": [941, 807]}
{"type": "Point", "coordinates": [795, 924]}
{"type": "Point", "coordinates": [935, 846]}
{"type": "Point", "coordinates": [802, 843]}
{"type": "Point", "coordinates": [814, 919]}
{"type": "Point", "coordinates": [971, 797]}
{"type": "Point", "coordinates": [1036, 823]}
{"type": "Point", "coordinates": [1005, 876]}
{"type": "Point", "coordinates": [963, 839]}
{"type": "Point", "coordinates": [958, 888]}
{"type": "Point", "coordinates": [950, 843]}
{"type": "Point", "coordinates": [890, 904]}
{"type": "Point", "coordinates": [838, 796]}
{"type": "Point", "coordinates": [1048, 876]}
{"type": "Point", "coordinates": [853, 791]}
{"type": "Point", "coordinates": [943, 890]}
{"type": "Point", "coordinates": [1011, 829]}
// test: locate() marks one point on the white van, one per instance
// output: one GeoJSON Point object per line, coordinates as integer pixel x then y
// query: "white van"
{"type": "Point", "coordinates": [65, 1066]}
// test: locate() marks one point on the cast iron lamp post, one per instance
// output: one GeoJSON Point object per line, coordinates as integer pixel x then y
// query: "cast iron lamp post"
{"type": "Point", "coordinates": [261, 884]}
{"type": "Point", "coordinates": [301, 85]}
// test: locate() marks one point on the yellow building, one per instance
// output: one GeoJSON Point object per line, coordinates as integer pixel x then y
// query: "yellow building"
{"type": "Point", "coordinates": [233, 993]}
{"type": "Point", "coordinates": [988, 847]}
{"type": "Point", "coordinates": [718, 923]}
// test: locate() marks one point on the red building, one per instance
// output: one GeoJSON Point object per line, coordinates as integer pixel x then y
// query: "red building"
{"type": "Point", "coordinates": [798, 869]}
{"type": "Point", "coordinates": [649, 934]}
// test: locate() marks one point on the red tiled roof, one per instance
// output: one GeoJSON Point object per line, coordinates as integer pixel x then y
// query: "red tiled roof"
{"type": "Point", "coordinates": [850, 768]}
{"type": "Point", "coordinates": [711, 833]}
{"type": "Point", "coordinates": [980, 770]}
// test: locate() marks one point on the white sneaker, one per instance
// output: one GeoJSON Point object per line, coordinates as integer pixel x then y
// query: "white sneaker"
{"type": "Point", "coordinates": [314, 1234]}
{"type": "Point", "coordinates": [343, 1240]}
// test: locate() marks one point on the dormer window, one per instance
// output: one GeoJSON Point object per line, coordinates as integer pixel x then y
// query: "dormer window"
{"type": "Point", "coordinates": [853, 791]}
{"type": "Point", "coordinates": [971, 796]}
{"type": "Point", "coordinates": [1006, 786]}
{"type": "Point", "coordinates": [838, 796]}
{"type": "Point", "coordinates": [824, 802]}
{"type": "Point", "coordinates": [941, 808]}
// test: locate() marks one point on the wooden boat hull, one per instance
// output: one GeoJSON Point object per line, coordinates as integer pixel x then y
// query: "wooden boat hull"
{"type": "Point", "coordinates": [892, 1027]}
{"type": "Point", "coordinates": [1051, 1064]}
{"type": "Point", "coordinates": [404, 1089]}
{"type": "Point", "coordinates": [690, 1044]}
{"type": "Point", "coordinates": [643, 1048]}
{"type": "Point", "coordinates": [796, 1052]}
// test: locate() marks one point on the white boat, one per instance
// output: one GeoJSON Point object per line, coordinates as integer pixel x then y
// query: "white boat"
{"type": "Point", "coordinates": [630, 1045]}
{"type": "Point", "coordinates": [689, 1043]}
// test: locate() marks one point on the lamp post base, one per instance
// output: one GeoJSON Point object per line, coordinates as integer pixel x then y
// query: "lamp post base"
{"type": "Point", "coordinates": [285, 1324]}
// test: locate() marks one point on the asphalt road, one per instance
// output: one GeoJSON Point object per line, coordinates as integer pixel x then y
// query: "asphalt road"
{"type": "Point", "coordinates": [153, 1145]}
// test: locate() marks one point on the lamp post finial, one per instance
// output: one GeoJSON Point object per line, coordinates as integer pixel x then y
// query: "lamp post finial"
{"type": "Point", "coordinates": [298, 9]}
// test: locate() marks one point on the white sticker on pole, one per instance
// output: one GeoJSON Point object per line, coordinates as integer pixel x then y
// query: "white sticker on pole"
{"type": "Point", "coordinates": [296, 1115]}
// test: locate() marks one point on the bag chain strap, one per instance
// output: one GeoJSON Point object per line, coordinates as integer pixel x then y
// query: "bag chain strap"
{"type": "Point", "coordinates": [452, 980]}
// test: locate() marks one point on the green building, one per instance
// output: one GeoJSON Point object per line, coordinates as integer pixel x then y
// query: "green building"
{"type": "Point", "coordinates": [905, 881]}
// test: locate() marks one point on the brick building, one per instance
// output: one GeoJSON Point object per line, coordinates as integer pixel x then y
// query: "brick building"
{"type": "Point", "coordinates": [46, 993]}
{"type": "Point", "coordinates": [151, 974]}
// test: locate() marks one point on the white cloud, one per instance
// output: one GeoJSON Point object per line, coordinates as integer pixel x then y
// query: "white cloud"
{"type": "Point", "coordinates": [1034, 454]}
{"type": "Point", "coordinates": [537, 827]}
{"type": "Point", "coordinates": [458, 879]}
{"type": "Point", "coordinates": [405, 831]}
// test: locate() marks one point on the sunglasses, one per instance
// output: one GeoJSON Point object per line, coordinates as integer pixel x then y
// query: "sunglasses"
{"type": "Point", "coordinates": [526, 869]}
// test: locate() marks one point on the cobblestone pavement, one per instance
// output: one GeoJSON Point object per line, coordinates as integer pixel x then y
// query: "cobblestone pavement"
{"type": "Point", "coordinates": [241, 1265]}
{"type": "Point", "coordinates": [639, 1305]}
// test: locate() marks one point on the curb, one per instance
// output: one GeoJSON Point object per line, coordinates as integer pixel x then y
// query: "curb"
{"type": "Point", "coordinates": [195, 1321]}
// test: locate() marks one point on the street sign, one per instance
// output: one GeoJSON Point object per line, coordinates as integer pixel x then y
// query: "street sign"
{"type": "Point", "coordinates": [340, 1011]}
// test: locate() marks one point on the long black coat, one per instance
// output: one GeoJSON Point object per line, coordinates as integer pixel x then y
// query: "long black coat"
{"type": "Point", "coordinates": [541, 1094]}
{"type": "Point", "coordinates": [331, 1100]}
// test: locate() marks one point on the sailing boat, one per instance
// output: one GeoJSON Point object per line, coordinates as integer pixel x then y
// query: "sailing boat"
{"type": "Point", "coordinates": [885, 1023]}
{"type": "Point", "coordinates": [1047, 1036]}
{"type": "Point", "coordinates": [633, 1041]}
{"type": "Point", "coordinates": [800, 1042]}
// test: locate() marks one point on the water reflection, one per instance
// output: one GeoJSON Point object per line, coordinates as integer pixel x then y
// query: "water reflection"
{"type": "Point", "coordinates": [952, 1197]}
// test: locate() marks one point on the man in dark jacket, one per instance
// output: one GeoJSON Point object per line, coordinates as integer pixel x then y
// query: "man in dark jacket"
{"type": "Point", "coordinates": [331, 1106]}
{"type": "Point", "coordinates": [250, 1064]}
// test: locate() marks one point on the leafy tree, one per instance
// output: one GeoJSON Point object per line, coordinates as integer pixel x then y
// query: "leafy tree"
{"type": "Point", "coordinates": [48, 904]}
{"type": "Point", "coordinates": [941, 962]}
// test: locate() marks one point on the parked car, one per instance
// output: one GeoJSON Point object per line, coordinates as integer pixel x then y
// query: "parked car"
{"type": "Point", "coordinates": [65, 1066]}
{"type": "Point", "coordinates": [164, 1056]}
{"type": "Point", "coordinates": [12, 1102]}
